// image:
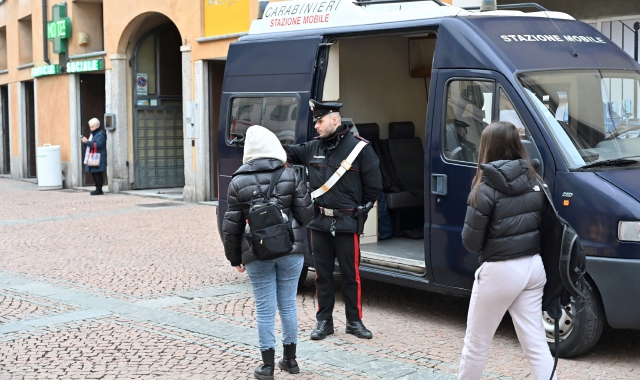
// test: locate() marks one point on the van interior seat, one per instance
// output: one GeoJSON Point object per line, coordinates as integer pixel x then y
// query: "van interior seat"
{"type": "Point", "coordinates": [369, 132]}
{"type": "Point", "coordinates": [407, 154]}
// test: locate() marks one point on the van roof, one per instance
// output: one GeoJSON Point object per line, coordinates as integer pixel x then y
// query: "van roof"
{"type": "Point", "coordinates": [299, 15]}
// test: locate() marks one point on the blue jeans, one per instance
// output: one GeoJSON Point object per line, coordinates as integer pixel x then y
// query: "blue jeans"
{"type": "Point", "coordinates": [275, 282]}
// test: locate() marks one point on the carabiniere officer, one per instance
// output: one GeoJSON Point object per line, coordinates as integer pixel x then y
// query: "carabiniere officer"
{"type": "Point", "coordinates": [340, 212]}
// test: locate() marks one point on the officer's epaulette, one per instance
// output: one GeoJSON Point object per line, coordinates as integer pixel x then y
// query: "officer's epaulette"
{"type": "Point", "coordinates": [362, 138]}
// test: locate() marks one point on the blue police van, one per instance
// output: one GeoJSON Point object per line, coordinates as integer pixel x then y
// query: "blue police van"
{"type": "Point", "coordinates": [421, 80]}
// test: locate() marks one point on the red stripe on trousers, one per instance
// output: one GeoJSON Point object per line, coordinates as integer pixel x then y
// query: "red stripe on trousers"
{"type": "Point", "coordinates": [315, 280]}
{"type": "Point", "coordinates": [356, 252]}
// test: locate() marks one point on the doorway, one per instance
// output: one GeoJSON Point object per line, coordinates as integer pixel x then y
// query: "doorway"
{"type": "Point", "coordinates": [30, 134]}
{"type": "Point", "coordinates": [92, 104]}
{"type": "Point", "coordinates": [6, 146]}
{"type": "Point", "coordinates": [157, 94]}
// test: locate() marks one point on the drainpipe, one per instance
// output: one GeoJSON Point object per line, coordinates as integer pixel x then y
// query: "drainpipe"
{"type": "Point", "coordinates": [45, 40]}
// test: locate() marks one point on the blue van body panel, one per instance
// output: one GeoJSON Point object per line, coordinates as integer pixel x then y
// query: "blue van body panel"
{"type": "Point", "coordinates": [461, 46]}
{"type": "Point", "coordinates": [618, 282]}
{"type": "Point", "coordinates": [544, 55]}
{"type": "Point", "coordinates": [594, 210]}
{"type": "Point", "coordinates": [269, 67]}
{"type": "Point", "coordinates": [627, 180]}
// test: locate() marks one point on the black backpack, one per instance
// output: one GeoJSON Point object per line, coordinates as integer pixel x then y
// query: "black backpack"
{"type": "Point", "coordinates": [564, 263]}
{"type": "Point", "coordinates": [271, 234]}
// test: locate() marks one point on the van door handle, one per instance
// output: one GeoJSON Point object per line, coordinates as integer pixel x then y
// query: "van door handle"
{"type": "Point", "coordinates": [439, 184]}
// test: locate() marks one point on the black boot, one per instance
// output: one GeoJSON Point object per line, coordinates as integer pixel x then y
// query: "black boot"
{"type": "Point", "coordinates": [288, 362]}
{"type": "Point", "coordinates": [357, 328]}
{"type": "Point", "coordinates": [323, 328]}
{"type": "Point", "coordinates": [265, 371]}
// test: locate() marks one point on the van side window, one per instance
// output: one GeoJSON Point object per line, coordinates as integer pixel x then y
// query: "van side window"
{"type": "Point", "coordinates": [469, 111]}
{"type": "Point", "coordinates": [271, 112]}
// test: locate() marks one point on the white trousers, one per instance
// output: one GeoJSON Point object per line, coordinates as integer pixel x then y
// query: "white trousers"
{"type": "Point", "coordinates": [515, 286]}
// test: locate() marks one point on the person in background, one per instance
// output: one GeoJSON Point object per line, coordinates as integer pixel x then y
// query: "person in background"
{"type": "Point", "coordinates": [502, 224]}
{"type": "Point", "coordinates": [274, 282]}
{"type": "Point", "coordinates": [98, 138]}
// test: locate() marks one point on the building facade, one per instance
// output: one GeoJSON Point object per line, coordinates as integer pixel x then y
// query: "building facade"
{"type": "Point", "coordinates": [150, 70]}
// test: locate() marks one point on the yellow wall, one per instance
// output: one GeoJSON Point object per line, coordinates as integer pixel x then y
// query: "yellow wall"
{"type": "Point", "coordinates": [226, 17]}
{"type": "Point", "coordinates": [53, 113]}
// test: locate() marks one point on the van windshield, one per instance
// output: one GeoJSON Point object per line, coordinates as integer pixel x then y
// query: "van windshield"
{"type": "Point", "coordinates": [593, 115]}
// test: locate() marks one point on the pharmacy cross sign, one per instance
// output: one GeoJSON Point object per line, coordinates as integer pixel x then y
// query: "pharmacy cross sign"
{"type": "Point", "coordinates": [59, 30]}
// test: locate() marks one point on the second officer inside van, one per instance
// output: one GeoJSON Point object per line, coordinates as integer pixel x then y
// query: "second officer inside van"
{"type": "Point", "coordinates": [345, 180]}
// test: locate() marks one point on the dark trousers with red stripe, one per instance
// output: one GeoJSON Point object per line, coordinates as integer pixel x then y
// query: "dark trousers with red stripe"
{"type": "Point", "coordinates": [346, 248]}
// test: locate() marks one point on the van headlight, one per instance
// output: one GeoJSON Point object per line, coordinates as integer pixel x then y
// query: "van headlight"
{"type": "Point", "coordinates": [629, 231]}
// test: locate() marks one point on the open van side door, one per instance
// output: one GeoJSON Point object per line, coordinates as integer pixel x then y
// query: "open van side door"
{"type": "Point", "coordinates": [471, 100]}
{"type": "Point", "coordinates": [263, 68]}
{"type": "Point", "coordinates": [257, 70]}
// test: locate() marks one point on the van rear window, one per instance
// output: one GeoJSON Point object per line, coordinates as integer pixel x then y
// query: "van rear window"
{"type": "Point", "coordinates": [279, 114]}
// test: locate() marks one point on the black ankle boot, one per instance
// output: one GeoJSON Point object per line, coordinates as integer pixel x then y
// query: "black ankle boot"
{"type": "Point", "coordinates": [265, 371]}
{"type": "Point", "coordinates": [288, 362]}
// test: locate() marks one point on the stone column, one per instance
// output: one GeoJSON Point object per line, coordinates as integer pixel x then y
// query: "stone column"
{"type": "Point", "coordinates": [15, 161]}
{"type": "Point", "coordinates": [118, 139]}
{"type": "Point", "coordinates": [3, 165]}
{"type": "Point", "coordinates": [74, 172]}
{"type": "Point", "coordinates": [203, 138]}
{"type": "Point", "coordinates": [23, 170]}
{"type": "Point", "coordinates": [189, 191]}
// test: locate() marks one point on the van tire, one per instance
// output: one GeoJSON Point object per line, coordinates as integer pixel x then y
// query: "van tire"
{"type": "Point", "coordinates": [303, 277]}
{"type": "Point", "coordinates": [587, 330]}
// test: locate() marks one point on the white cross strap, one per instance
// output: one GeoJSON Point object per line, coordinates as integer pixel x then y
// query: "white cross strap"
{"type": "Point", "coordinates": [344, 166]}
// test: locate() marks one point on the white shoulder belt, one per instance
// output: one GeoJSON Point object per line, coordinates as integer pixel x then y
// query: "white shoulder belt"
{"type": "Point", "coordinates": [344, 166]}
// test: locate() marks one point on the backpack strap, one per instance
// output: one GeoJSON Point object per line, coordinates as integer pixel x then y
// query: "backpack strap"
{"type": "Point", "coordinates": [272, 184]}
{"type": "Point", "coordinates": [344, 166]}
{"type": "Point", "coordinates": [274, 180]}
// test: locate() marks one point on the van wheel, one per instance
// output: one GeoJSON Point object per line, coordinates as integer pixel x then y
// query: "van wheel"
{"type": "Point", "coordinates": [578, 332]}
{"type": "Point", "coordinates": [303, 277]}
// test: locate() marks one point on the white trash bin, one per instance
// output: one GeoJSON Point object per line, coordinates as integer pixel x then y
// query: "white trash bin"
{"type": "Point", "coordinates": [49, 167]}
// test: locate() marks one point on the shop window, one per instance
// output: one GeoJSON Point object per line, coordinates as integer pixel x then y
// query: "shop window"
{"type": "Point", "coordinates": [25, 41]}
{"type": "Point", "coordinates": [271, 112]}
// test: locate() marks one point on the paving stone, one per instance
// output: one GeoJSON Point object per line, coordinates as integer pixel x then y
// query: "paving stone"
{"type": "Point", "coordinates": [100, 287]}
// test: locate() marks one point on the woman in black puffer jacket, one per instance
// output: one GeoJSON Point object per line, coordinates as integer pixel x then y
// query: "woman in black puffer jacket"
{"type": "Point", "coordinates": [503, 225]}
{"type": "Point", "coordinates": [274, 282]}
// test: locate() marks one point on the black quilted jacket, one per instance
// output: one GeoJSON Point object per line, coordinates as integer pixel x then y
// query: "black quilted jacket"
{"type": "Point", "coordinates": [290, 194]}
{"type": "Point", "coordinates": [505, 222]}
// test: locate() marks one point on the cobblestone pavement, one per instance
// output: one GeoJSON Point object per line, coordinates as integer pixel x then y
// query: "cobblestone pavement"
{"type": "Point", "coordinates": [126, 287]}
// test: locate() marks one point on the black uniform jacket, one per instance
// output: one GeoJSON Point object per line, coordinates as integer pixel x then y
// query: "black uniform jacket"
{"type": "Point", "coordinates": [359, 185]}
{"type": "Point", "coordinates": [291, 196]}
{"type": "Point", "coordinates": [506, 220]}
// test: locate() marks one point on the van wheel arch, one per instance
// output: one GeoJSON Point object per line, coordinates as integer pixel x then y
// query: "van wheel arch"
{"type": "Point", "coordinates": [587, 328]}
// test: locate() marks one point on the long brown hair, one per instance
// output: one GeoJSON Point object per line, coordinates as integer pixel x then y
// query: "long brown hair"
{"type": "Point", "coordinates": [499, 141]}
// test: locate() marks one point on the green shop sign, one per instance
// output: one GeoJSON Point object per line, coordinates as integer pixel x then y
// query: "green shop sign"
{"type": "Point", "coordinates": [59, 30]}
{"type": "Point", "coordinates": [45, 70]}
{"type": "Point", "coordinates": [84, 66]}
